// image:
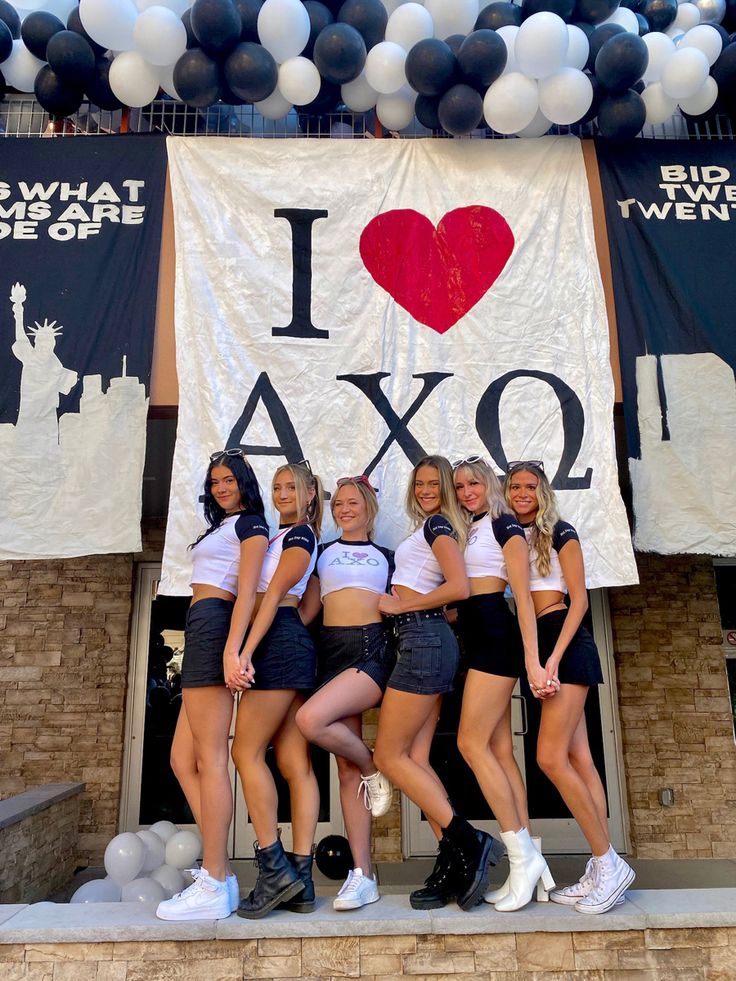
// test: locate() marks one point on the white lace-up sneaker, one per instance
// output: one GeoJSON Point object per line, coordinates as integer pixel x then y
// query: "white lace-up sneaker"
{"type": "Point", "coordinates": [377, 793]}
{"type": "Point", "coordinates": [611, 878]}
{"type": "Point", "coordinates": [569, 895]}
{"type": "Point", "coordinates": [205, 899]}
{"type": "Point", "coordinates": [356, 891]}
{"type": "Point", "coordinates": [233, 891]}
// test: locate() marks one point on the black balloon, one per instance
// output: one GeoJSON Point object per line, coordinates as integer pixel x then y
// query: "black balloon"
{"type": "Point", "coordinates": [426, 110]}
{"type": "Point", "coordinates": [197, 79]}
{"type": "Point", "coordinates": [724, 72]}
{"type": "Point", "coordinates": [74, 23]}
{"type": "Point", "coordinates": [333, 857]}
{"type": "Point", "coordinates": [319, 17]}
{"type": "Point", "coordinates": [594, 11]}
{"type": "Point", "coordinates": [659, 13]}
{"type": "Point", "coordinates": [98, 88]}
{"type": "Point", "coordinates": [248, 10]}
{"type": "Point", "coordinates": [454, 41]}
{"type": "Point", "coordinates": [729, 18]}
{"type": "Point", "coordinates": [482, 58]}
{"type": "Point", "coordinates": [216, 25]}
{"type": "Point", "coordinates": [599, 93]}
{"type": "Point", "coordinates": [460, 109]}
{"type": "Point", "coordinates": [430, 67]}
{"type": "Point", "coordinates": [9, 15]}
{"type": "Point", "coordinates": [251, 72]}
{"type": "Point", "coordinates": [71, 57]}
{"type": "Point", "coordinates": [585, 27]}
{"type": "Point", "coordinates": [598, 38]}
{"type": "Point", "coordinates": [563, 8]}
{"type": "Point", "coordinates": [3, 86]}
{"type": "Point", "coordinates": [325, 102]}
{"type": "Point", "coordinates": [723, 32]}
{"type": "Point", "coordinates": [6, 41]}
{"type": "Point", "coordinates": [56, 97]}
{"type": "Point", "coordinates": [369, 17]}
{"type": "Point", "coordinates": [631, 4]}
{"type": "Point", "coordinates": [186, 19]}
{"type": "Point", "coordinates": [499, 14]}
{"type": "Point", "coordinates": [339, 53]}
{"type": "Point", "coordinates": [621, 117]}
{"type": "Point", "coordinates": [643, 24]}
{"type": "Point", "coordinates": [37, 30]}
{"type": "Point", "coordinates": [621, 62]}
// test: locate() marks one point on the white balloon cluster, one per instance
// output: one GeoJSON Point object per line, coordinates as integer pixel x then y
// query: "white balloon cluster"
{"type": "Point", "coordinates": [678, 71]}
{"type": "Point", "coordinates": [144, 867]}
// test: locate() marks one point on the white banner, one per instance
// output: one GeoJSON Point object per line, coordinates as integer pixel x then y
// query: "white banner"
{"type": "Point", "coordinates": [362, 303]}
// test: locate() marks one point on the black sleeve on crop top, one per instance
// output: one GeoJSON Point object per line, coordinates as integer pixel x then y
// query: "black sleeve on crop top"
{"type": "Point", "coordinates": [435, 526]}
{"type": "Point", "coordinates": [300, 536]}
{"type": "Point", "coordinates": [389, 556]}
{"type": "Point", "coordinates": [562, 534]}
{"type": "Point", "coordinates": [505, 527]}
{"type": "Point", "coordinates": [321, 549]}
{"type": "Point", "coordinates": [250, 525]}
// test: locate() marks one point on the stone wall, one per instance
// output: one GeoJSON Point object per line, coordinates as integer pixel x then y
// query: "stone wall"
{"type": "Point", "coordinates": [675, 710]}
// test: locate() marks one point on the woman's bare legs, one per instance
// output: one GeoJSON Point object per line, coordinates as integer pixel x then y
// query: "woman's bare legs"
{"type": "Point", "coordinates": [295, 765]}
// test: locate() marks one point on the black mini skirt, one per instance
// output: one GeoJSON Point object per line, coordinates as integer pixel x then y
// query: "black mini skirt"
{"type": "Point", "coordinates": [580, 664]}
{"type": "Point", "coordinates": [286, 657]}
{"type": "Point", "coordinates": [368, 649]}
{"type": "Point", "coordinates": [490, 635]}
{"type": "Point", "coordinates": [205, 634]}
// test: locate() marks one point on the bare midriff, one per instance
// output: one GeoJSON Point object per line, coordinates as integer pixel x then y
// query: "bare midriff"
{"type": "Point", "coordinates": [202, 590]}
{"type": "Point", "coordinates": [350, 607]}
{"type": "Point", "coordinates": [289, 600]}
{"type": "Point", "coordinates": [482, 585]}
{"type": "Point", "coordinates": [547, 600]}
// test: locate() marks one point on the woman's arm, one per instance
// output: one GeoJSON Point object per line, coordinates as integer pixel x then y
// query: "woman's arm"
{"type": "Point", "coordinates": [516, 555]}
{"type": "Point", "coordinates": [311, 602]}
{"type": "Point", "coordinates": [252, 552]}
{"type": "Point", "coordinates": [573, 569]}
{"type": "Point", "coordinates": [455, 586]}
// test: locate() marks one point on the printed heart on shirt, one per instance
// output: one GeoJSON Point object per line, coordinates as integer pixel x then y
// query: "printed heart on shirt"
{"type": "Point", "coordinates": [437, 274]}
{"type": "Point", "coordinates": [360, 555]}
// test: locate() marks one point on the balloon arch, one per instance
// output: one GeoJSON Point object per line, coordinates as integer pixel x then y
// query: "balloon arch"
{"type": "Point", "coordinates": [454, 65]}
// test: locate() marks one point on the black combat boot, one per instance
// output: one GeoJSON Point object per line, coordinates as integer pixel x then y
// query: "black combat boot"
{"type": "Point", "coordinates": [441, 885]}
{"type": "Point", "coordinates": [277, 881]}
{"type": "Point", "coordinates": [475, 852]}
{"type": "Point", "coordinates": [304, 901]}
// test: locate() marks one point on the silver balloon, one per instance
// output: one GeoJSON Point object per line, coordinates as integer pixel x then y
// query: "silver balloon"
{"type": "Point", "coordinates": [711, 11]}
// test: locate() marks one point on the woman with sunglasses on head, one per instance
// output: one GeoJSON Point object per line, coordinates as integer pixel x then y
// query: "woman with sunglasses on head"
{"type": "Point", "coordinates": [226, 566]}
{"type": "Point", "coordinates": [430, 573]}
{"type": "Point", "coordinates": [277, 665]}
{"type": "Point", "coordinates": [568, 654]}
{"type": "Point", "coordinates": [355, 661]}
{"type": "Point", "coordinates": [496, 554]}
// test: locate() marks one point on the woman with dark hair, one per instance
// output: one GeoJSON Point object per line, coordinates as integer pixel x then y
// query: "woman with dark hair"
{"type": "Point", "coordinates": [226, 565]}
{"type": "Point", "coordinates": [276, 666]}
{"type": "Point", "coordinates": [430, 573]}
{"type": "Point", "coordinates": [355, 661]}
{"type": "Point", "coordinates": [568, 665]}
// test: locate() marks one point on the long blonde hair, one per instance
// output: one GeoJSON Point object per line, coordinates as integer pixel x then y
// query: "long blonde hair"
{"type": "Point", "coordinates": [482, 471]}
{"type": "Point", "coordinates": [369, 497]}
{"type": "Point", "coordinates": [309, 508]}
{"type": "Point", "coordinates": [546, 517]}
{"type": "Point", "coordinates": [449, 506]}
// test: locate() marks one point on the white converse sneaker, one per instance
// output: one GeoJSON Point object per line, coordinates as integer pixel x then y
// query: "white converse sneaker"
{"type": "Point", "coordinates": [356, 891]}
{"type": "Point", "coordinates": [233, 891]}
{"type": "Point", "coordinates": [611, 878]}
{"type": "Point", "coordinates": [569, 895]}
{"type": "Point", "coordinates": [205, 899]}
{"type": "Point", "coordinates": [377, 793]}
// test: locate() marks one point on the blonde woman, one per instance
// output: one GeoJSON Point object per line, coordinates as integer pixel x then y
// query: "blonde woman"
{"type": "Point", "coordinates": [496, 555]}
{"type": "Point", "coordinates": [430, 573]}
{"type": "Point", "coordinates": [276, 666]}
{"type": "Point", "coordinates": [567, 657]}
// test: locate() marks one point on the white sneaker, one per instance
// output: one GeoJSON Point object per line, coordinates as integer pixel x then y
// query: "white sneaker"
{"type": "Point", "coordinates": [611, 878]}
{"type": "Point", "coordinates": [377, 793]}
{"type": "Point", "coordinates": [570, 895]}
{"type": "Point", "coordinates": [233, 891]}
{"type": "Point", "coordinates": [356, 891]}
{"type": "Point", "coordinates": [205, 899]}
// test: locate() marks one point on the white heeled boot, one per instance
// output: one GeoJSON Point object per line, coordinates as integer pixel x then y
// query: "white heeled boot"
{"type": "Point", "coordinates": [542, 893]}
{"type": "Point", "coordinates": [495, 894]}
{"type": "Point", "coordinates": [527, 867]}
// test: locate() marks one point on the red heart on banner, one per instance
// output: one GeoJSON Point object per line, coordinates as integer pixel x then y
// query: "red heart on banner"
{"type": "Point", "coordinates": [437, 274]}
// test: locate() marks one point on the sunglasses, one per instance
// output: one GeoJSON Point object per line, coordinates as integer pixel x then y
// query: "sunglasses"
{"type": "Point", "coordinates": [302, 463]}
{"type": "Point", "coordinates": [233, 451]}
{"type": "Point", "coordinates": [521, 464]}
{"type": "Point", "coordinates": [467, 459]}
{"type": "Point", "coordinates": [360, 479]}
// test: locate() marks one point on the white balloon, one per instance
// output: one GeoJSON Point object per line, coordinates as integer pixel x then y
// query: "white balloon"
{"type": "Point", "coordinates": [675, 34]}
{"type": "Point", "coordinates": [384, 67]}
{"type": "Point", "coordinates": [688, 16]}
{"type": "Point", "coordinates": [396, 110]}
{"type": "Point", "coordinates": [358, 95]}
{"type": "Point", "coordinates": [409, 23]}
{"type": "Point", "coordinates": [160, 36]}
{"type": "Point", "coordinates": [541, 44]}
{"type": "Point", "coordinates": [453, 16]}
{"type": "Point", "coordinates": [299, 80]}
{"type": "Point", "coordinates": [684, 73]}
{"type": "Point", "coordinates": [97, 891]}
{"type": "Point", "coordinates": [109, 22]}
{"type": "Point", "coordinates": [626, 18]}
{"type": "Point", "coordinates": [706, 39]}
{"type": "Point", "coordinates": [711, 11]}
{"type": "Point", "coordinates": [21, 67]}
{"type": "Point", "coordinates": [508, 33]}
{"type": "Point", "coordinates": [166, 81]}
{"type": "Point", "coordinates": [124, 857]}
{"type": "Point", "coordinates": [660, 48]}
{"type": "Point", "coordinates": [659, 105]}
{"type": "Point", "coordinates": [283, 28]}
{"type": "Point", "coordinates": [133, 80]}
{"type": "Point", "coordinates": [275, 106]}
{"type": "Point", "coordinates": [164, 829]}
{"type": "Point", "coordinates": [566, 96]}
{"type": "Point", "coordinates": [178, 6]}
{"type": "Point", "coordinates": [60, 8]}
{"type": "Point", "coordinates": [155, 850]}
{"type": "Point", "coordinates": [511, 103]}
{"type": "Point", "coordinates": [578, 47]}
{"type": "Point", "coordinates": [170, 878]}
{"type": "Point", "coordinates": [143, 890]}
{"type": "Point", "coordinates": [537, 127]}
{"type": "Point", "coordinates": [703, 100]}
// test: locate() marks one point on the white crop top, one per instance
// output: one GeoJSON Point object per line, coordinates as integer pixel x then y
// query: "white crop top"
{"type": "Point", "coordinates": [216, 556]}
{"type": "Point", "coordinates": [296, 536]}
{"type": "Point", "coordinates": [486, 539]}
{"type": "Point", "coordinates": [354, 565]}
{"type": "Point", "coordinates": [561, 535]}
{"type": "Point", "coordinates": [416, 565]}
